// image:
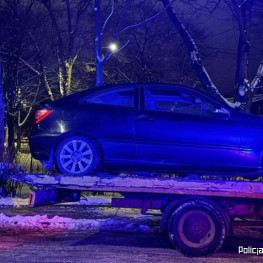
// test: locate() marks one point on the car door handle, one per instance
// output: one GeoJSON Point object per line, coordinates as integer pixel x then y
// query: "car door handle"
{"type": "Point", "coordinates": [145, 117]}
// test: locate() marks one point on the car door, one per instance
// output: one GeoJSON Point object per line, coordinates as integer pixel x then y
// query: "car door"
{"type": "Point", "coordinates": [178, 128]}
{"type": "Point", "coordinates": [112, 123]}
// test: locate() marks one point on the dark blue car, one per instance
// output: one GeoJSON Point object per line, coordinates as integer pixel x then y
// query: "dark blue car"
{"type": "Point", "coordinates": [145, 127]}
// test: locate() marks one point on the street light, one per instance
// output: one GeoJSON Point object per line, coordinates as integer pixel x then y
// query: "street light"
{"type": "Point", "coordinates": [113, 47]}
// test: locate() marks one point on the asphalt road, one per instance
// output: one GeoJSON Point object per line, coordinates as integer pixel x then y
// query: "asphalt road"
{"type": "Point", "coordinates": [108, 247]}
{"type": "Point", "coordinates": [51, 245]}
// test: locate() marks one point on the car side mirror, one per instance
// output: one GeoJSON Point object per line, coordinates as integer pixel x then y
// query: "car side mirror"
{"type": "Point", "coordinates": [222, 113]}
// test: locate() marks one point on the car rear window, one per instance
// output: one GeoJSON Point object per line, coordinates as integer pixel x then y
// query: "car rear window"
{"type": "Point", "coordinates": [124, 98]}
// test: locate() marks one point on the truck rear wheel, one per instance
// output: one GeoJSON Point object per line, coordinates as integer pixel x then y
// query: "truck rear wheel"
{"type": "Point", "coordinates": [196, 228]}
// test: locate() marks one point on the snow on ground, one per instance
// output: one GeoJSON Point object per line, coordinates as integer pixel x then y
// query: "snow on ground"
{"type": "Point", "coordinates": [42, 222]}
{"type": "Point", "coordinates": [9, 201]}
{"type": "Point", "coordinates": [94, 200]}
{"type": "Point", "coordinates": [124, 221]}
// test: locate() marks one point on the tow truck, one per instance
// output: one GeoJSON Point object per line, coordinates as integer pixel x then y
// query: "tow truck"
{"type": "Point", "coordinates": [196, 213]}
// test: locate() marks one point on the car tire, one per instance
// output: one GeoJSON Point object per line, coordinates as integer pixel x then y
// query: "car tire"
{"type": "Point", "coordinates": [78, 155]}
{"type": "Point", "coordinates": [197, 228]}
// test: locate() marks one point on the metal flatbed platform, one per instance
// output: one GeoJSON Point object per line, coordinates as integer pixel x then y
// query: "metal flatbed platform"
{"type": "Point", "coordinates": [143, 184]}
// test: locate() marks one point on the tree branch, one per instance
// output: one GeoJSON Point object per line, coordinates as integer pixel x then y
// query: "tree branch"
{"type": "Point", "coordinates": [107, 19]}
{"type": "Point", "coordinates": [258, 76]}
{"type": "Point", "coordinates": [195, 58]}
{"type": "Point", "coordinates": [146, 20]}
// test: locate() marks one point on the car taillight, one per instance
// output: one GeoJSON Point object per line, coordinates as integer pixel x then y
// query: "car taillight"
{"type": "Point", "coordinates": [41, 115]}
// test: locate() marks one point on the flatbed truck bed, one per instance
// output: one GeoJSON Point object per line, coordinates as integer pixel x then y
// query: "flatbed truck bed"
{"type": "Point", "coordinates": [197, 214]}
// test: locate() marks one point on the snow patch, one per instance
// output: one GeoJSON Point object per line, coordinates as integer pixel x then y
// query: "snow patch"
{"type": "Point", "coordinates": [95, 201]}
{"type": "Point", "coordinates": [40, 222]}
{"type": "Point", "coordinates": [8, 201]}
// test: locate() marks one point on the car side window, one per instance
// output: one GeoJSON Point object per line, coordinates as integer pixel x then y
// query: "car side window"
{"type": "Point", "coordinates": [168, 100]}
{"type": "Point", "coordinates": [123, 98]}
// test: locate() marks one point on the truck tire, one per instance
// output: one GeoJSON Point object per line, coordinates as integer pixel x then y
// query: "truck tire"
{"type": "Point", "coordinates": [197, 228]}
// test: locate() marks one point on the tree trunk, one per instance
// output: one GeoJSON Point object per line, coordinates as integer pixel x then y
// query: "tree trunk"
{"type": "Point", "coordinates": [242, 91]}
{"type": "Point", "coordinates": [98, 58]}
{"type": "Point", "coordinates": [2, 113]}
{"type": "Point", "coordinates": [11, 137]}
{"type": "Point", "coordinates": [99, 74]}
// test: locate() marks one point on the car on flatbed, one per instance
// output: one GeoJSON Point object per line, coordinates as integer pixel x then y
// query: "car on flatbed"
{"type": "Point", "coordinates": [145, 127]}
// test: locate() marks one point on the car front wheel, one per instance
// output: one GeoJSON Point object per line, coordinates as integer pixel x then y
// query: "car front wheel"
{"type": "Point", "coordinates": [78, 155]}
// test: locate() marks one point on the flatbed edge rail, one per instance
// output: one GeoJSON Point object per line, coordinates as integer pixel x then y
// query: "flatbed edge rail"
{"type": "Point", "coordinates": [143, 184]}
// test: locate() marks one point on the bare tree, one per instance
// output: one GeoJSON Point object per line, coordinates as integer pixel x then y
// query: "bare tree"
{"type": "Point", "coordinates": [116, 31]}
{"type": "Point", "coordinates": [242, 14]}
{"type": "Point", "coordinates": [66, 51]}
{"type": "Point", "coordinates": [244, 88]}
{"type": "Point", "coordinates": [195, 58]}
{"type": "Point", "coordinates": [13, 34]}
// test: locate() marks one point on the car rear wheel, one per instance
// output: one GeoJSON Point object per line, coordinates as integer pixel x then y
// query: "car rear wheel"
{"type": "Point", "coordinates": [78, 155]}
